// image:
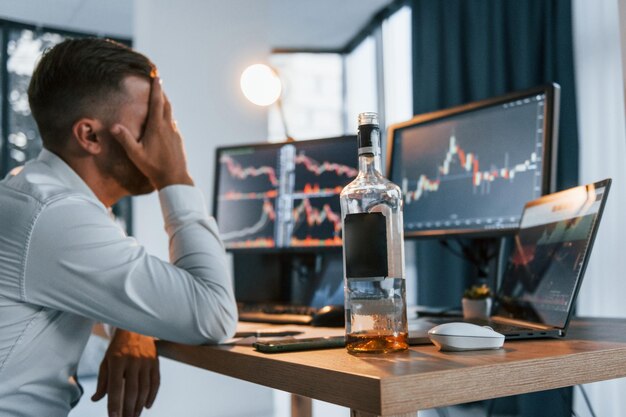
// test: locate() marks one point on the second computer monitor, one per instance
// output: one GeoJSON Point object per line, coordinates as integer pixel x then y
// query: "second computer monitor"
{"type": "Point", "coordinates": [470, 169]}
{"type": "Point", "coordinates": [283, 196]}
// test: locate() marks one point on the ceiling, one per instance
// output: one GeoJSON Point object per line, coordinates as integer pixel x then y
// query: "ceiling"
{"type": "Point", "coordinates": [110, 17]}
{"type": "Point", "coordinates": [309, 24]}
{"type": "Point", "coordinates": [319, 24]}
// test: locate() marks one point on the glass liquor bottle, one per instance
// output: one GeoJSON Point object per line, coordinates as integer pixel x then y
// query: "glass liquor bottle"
{"type": "Point", "coordinates": [373, 252]}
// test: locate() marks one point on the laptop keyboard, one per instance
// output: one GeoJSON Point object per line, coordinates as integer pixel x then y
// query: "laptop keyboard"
{"type": "Point", "coordinates": [498, 327]}
{"type": "Point", "coordinates": [507, 328]}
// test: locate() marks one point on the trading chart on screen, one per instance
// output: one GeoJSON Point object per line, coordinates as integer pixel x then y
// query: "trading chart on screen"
{"type": "Point", "coordinates": [475, 169]}
{"type": "Point", "coordinates": [247, 201]}
{"type": "Point", "coordinates": [286, 195]}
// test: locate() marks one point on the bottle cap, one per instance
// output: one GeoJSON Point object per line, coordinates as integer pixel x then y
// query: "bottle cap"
{"type": "Point", "coordinates": [368, 118]}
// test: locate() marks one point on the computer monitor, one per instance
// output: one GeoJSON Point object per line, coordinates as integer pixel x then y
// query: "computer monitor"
{"type": "Point", "coordinates": [469, 170]}
{"type": "Point", "coordinates": [283, 196]}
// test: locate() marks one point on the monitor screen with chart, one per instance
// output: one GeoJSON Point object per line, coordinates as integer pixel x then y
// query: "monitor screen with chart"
{"type": "Point", "coordinates": [470, 169]}
{"type": "Point", "coordinates": [284, 195]}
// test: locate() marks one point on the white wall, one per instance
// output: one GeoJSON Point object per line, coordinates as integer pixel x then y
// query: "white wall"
{"type": "Point", "coordinates": [602, 137]}
{"type": "Point", "coordinates": [201, 47]}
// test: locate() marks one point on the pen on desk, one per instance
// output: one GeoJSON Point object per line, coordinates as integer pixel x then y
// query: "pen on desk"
{"type": "Point", "coordinates": [269, 333]}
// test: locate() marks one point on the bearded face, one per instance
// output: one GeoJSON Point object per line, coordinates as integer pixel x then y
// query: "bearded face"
{"type": "Point", "coordinates": [129, 108]}
{"type": "Point", "coordinates": [118, 166]}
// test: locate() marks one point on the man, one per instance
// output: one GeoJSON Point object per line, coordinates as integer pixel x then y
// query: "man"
{"type": "Point", "coordinates": [108, 132]}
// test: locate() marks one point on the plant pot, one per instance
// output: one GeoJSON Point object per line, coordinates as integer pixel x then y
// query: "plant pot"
{"type": "Point", "coordinates": [476, 309]}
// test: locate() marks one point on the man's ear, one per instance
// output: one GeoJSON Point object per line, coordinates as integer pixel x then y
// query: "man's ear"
{"type": "Point", "coordinates": [85, 132]}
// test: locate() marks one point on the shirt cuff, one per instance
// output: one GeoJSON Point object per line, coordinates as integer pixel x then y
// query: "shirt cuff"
{"type": "Point", "coordinates": [109, 330]}
{"type": "Point", "coordinates": [178, 199]}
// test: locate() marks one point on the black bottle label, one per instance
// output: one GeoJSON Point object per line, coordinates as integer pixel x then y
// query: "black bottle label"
{"type": "Point", "coordinates": [365, 243]}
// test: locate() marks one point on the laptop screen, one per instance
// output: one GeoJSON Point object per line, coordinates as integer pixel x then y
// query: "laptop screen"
{"type": "Point", "coordinates": [551, 250]}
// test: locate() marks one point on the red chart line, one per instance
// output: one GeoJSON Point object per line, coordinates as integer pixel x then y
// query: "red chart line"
{"type": "Point", "coordinates": [268, 214]}
{"type": "Point", "coordinates": [319, 168]}
{"type": "Point", "coordinates": [316, 217]}
{"type": "Point", "coordinates": [236, 170]}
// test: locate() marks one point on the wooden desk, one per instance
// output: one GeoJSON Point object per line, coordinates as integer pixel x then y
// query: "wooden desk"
{"type": "Point", "coordinates": [422, 377]}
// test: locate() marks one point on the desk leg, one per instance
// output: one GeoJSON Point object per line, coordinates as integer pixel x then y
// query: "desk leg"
{"type": "Point", "coordinates": [301, 406]}
{"type": "Point", "coordinates": [356, 413]}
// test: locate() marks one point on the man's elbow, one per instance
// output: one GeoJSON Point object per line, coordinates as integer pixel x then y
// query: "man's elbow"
{"type": "Point", "coordinates": [221, 326]}
{"type": "Point", "coordinates": [228, 326]}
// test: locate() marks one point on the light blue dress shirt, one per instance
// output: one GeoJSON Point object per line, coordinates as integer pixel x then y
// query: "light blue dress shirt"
{"type": "Point", "coordinates": [65, 264]}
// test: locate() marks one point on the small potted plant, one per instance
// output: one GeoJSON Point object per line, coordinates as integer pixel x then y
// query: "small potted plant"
{"type": "Point", "coordinates": [477, 302]}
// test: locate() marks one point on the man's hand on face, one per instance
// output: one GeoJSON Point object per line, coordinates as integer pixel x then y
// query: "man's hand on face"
{"type": "Point", "coordinates": [129, 373]}
{"type": "Point", "coordinates": [159, 152]}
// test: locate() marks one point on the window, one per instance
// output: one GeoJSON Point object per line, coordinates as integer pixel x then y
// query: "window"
{"type": "Point", "coordinates": [361, 82]}
{"type": "Point", "coordinates": [324, 92]}
{"type": "Point", "coordinates": [2, 75]}
{"type": "Point", "coordinates": [397, 66]}
{"type": "Point", "coordinates": [19, 136]}
{"type": "Point", "coordinates": [312, 96]}
{"type": "Point", "coordinates": [24, 47]}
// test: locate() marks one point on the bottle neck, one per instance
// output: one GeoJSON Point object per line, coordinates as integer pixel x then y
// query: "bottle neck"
{"type": "Point", "coordinates": [369, 163]}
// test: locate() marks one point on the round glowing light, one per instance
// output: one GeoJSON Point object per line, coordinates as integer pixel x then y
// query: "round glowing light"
{"type": "Point", "coordinates": [260, 84]}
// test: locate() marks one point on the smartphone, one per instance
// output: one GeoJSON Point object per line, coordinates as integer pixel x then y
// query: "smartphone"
{"type": "Point", "coordinates": [290, 345]}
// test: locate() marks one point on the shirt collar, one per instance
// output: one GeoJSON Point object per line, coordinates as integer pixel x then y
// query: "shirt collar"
{"type": "Point", "coordinates": [65, 173]}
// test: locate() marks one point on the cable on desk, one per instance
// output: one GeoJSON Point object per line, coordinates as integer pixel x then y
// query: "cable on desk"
{"type": "Point", "coordinates": [442, 412]}
{"type": "Point", "coordinates": [476, 254]}
{"type": "Point", "coordinates": [582, 390]}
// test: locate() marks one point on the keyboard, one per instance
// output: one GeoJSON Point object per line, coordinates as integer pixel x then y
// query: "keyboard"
{"type": "Point", "coordinates": [498, 327]}
{"type": "Point", "coordinates": [276, 313]}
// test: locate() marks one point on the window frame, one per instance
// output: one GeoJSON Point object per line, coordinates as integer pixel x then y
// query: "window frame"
{"type": "Point", "coordinates": [374, 27]}
{"type": "Point", "coordinates": [6, 26]}
{"type": "Point", "coordinates": [123, 209]}
{"type": "Point", "coordinates": [272, 139]}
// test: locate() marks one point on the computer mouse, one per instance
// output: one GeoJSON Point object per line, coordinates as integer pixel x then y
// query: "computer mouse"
{"type": "Point", "coordinates": [459, 336]}
{"type": "Point", "coordinates": [329, 316]}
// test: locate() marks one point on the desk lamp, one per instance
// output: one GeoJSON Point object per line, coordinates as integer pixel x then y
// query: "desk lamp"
{"type": "Point", "coordinates": [262, 86]}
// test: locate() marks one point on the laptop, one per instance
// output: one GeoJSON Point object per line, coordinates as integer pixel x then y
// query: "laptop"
{"type": "Point", "coordinates": [546, 268]}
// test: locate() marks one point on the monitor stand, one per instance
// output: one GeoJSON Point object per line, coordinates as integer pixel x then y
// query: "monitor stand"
{"type": "Point", "coordinates": [304, 278]}
{"type": "Point", "coordinates": [446, 268]}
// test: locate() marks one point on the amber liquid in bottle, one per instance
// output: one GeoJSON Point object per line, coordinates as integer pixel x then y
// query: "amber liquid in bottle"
{"type": "Point", "coordinates": [376, 344]}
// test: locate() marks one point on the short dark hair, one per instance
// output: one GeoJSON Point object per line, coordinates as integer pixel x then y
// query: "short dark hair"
{"type": "Point", "coordinates": [78, 78]}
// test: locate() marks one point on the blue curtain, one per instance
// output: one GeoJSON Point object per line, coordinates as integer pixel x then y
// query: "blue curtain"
{"type": "Point", "coordinates": [467, 50]}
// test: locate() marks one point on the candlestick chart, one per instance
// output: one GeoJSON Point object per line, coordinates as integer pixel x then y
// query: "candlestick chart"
{"type": "Point", "coordinates": [468, 170]}
{"type": "Point", "coordinates": [475, 170]}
